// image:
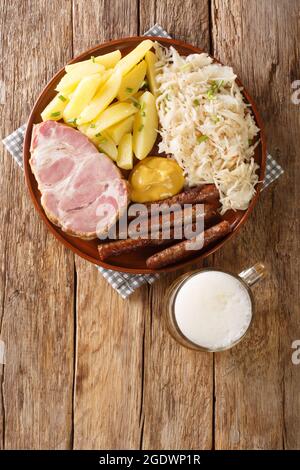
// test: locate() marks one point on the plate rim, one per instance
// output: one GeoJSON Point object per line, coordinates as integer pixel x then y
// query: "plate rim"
{"type": "Point", "coordinates": [54, 229]}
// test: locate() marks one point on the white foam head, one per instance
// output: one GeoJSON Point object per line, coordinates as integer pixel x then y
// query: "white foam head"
{"type": "Point", "coordinates": [213, 309]}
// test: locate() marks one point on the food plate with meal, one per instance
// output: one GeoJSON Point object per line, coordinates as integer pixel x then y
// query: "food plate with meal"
{"type": "Point", "coordinates": [137, 123]}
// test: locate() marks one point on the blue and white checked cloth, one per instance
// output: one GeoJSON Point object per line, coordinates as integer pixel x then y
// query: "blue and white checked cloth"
{"type": "Point", "coordinates": [126, 284]}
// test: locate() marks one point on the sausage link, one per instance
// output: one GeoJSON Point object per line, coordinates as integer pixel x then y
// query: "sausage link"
{"type": "Point", "coordinates": [128, 245]}
{"type": "Point", "coordinates": [118, 247]}
{"type": "Point", "coordinates": [180, 250]}
{"type": "Point", "coordinates": [195, 195]}
{"type": "Point", "coordinates": [175, 219]}
{"type": "Point", "coordinates": [190, 213]}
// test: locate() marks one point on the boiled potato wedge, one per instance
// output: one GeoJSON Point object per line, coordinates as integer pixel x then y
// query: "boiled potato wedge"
{"type": "Point", "coordinates": [54, 110]}
{"type": "Point", "coordinates": [113, 114]}
{"type": "Point", "coordinates": [151, 59]}
{"type": "Point", "coordinates": [125, 154]}
{"type": "Point", "coordinates": [69, 81]}
{"type": "Point", "coordinates": [145, 126]}
{"type": "Point", "coordinates": [84, 127]}
{"type": "Point", "coordinates": [81, 97]}
{"type": "Point", "coordinates": [132, 81]}
{"type": "Point", "coordinates": [107, 60]}
{"type": "Point", "coordinates": [102, 99]}
{"type": "Point", "coordinates": [107, 146]}
{"type": "Point", "coordinates": [106, 75]}
{"type": "Point", "coordinates": [130, 60]}
{"type": "Point", "coordinates": [117, 131]}
{"type": "Point", "coordinates": [103, 141]}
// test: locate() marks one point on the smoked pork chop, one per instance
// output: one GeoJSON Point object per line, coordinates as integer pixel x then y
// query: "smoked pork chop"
{"type": "Point", "coordinates": [82, 190]}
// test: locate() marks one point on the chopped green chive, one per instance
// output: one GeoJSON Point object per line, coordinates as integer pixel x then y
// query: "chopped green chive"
{"type": "Point", "coordinates": [201, 138]}
{"type": "Point", "coordinates": [215, 119]}
{"type": "Point", "coordinates": [62, 98]}
{"type": "Point", "coordinates": [129, 90]}
{"type": "Point", "coordinates": [210, 95]}
{"type": "Point", "coordinates": [135, 103]}
{"type": "Point", "coordinates": [55, 114]}
{"type": "Point", "coordinates": [98, 134]}
{"type": "Point", "coordinates": [196, 102]}
{"type": "Point", "coordinates": [72, 121]}
{"type": "Point", "coordinates": [141, 127]}
{"type": "Point", "coordinates": [168, 97]}
{"type": "Point", "coordinates": [144, 84]}
{"type": "Point", "coordinates": [93, 58]}
{"type": "Point", "coordinates": [214, 88]}
{"type": "Point", "coordinates": [92, 125]}
{"type": "Point", "coordinates": [143, 113]}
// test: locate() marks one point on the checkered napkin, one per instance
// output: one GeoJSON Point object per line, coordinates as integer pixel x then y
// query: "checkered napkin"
{"type": "Point", "coordinates": [126, 284]}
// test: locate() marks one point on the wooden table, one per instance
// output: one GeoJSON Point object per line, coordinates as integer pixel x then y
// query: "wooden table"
{"type": "Point", "coordinates": [86, 369]}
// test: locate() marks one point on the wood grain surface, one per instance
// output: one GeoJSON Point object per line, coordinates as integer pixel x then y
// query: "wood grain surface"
{"type": "Point", "coordinates": [84, 368]}
{"type": "Point", "coordinates": [37, 273]}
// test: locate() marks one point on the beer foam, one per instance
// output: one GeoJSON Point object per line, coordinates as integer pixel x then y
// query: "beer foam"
{"type": "Point", "coordinates": [213, 309]}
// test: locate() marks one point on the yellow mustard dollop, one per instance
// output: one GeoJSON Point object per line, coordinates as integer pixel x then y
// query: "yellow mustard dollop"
{"type": "Point", "coordinates": [155, 178]}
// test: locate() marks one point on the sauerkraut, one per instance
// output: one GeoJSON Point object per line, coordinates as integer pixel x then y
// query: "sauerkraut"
{"type": "Point", "coordinates": [206, 126]}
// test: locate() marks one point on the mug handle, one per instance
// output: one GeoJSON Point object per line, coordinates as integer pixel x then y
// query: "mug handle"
{"type": "Point", "coordinates": [253, 274]}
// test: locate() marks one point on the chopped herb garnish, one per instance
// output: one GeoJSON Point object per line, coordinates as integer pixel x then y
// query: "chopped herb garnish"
{"type": "Point", "coordinates": [210, 94]}
{"type": "Point", "coordinates": [144, 84]}
{"type": "Point", "coordinates": [168, 97]}
{"type": "Point", "coordinates": [98, 134]}
{"type": "Point", "coordinates": [62, 98]}
{"type": "Point", "coordinates": [93, 58]}
{"type": "Point", "coordinates": [213, 89]}
{"type": "Point", "coordinates": [129, 90]}
{"type": "Point", "coordinates": [196, 102]}
{"type": "Point", "coordinates": [143, 113]}
{"type": "Point", "coordinates": [92, 125]}
{"type": "Point", "coordinates": [135, 103]}
{"type": "Point", "coordinates": [55, 114]}
{"type": "Point", "coordinates": [201, 138]}
{"type": "Point", "coordinates": [141, 127]}
{"type": "Point", "coordinates": [72, 121]}
{"type": "Point", "coordinates": [215, 119]}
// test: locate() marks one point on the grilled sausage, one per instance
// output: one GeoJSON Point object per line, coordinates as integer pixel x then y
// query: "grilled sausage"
{"type": "Point", "coordinates": [191, 196]}
{"type": "Point", "coordinates": [128, 245]}
{"type": "Point", "coordinates": [196, 195]}
{"type": "Point", "coordinates": [114, 248]}
{"type": "Point", "coordinates": [158, 222]}
{"type": "Point", "coordinates": [190, 213]}
{"type": "Point", "coordinates": [181, 250]}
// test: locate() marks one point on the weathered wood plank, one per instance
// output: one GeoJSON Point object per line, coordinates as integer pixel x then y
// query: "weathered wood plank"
{"type": "Point", "coordinates": [187, 21]}
{"type": "Point", "coordinates": [256, 383]}
{"type": "Point", "coordinates": [178, 383]}
{"type": "Point", "coordinates": [109, 364]}
{"type": "Point", "coordinates": [109, 330]}
{"type": "Point", "coordinates": [36, 271]}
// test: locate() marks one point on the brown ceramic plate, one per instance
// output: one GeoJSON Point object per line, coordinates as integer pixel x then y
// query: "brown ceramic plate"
{"type": "Point", "coordinates": [135, 263]}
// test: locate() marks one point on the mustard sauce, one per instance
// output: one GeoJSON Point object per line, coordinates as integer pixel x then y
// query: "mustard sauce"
{"type": "Point", "coordinates": [154, 179]}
